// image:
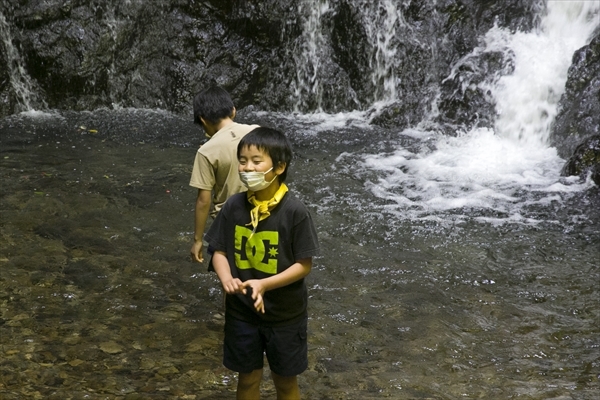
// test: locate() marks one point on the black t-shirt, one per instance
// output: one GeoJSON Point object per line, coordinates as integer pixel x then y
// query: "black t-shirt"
{"type": "Point", "coordinates": [280, 240]}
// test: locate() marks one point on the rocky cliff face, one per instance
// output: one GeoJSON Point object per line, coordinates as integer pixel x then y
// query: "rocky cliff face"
{"type": "Point", "coordinates": [576, 129]}
{"type": "Point", "coordinates": [84, 55]}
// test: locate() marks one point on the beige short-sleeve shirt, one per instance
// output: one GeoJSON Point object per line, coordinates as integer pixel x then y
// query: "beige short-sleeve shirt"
{"type": "Point", "coordinates": [216, 165]}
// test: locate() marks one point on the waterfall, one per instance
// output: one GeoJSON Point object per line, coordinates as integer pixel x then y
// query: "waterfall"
{"type": "Point", "coordinates": [527, 100]}
{"type": "Point", "coordinates": [308, 84]}
{"type": "Point", "coordinates": [380, 20]}
{"type": "Point", "coordinates": [113, 26]}
{"type": "Point", "coordinates": [22, 84]}
{"type": "Point", "coordinates": [496, 175]}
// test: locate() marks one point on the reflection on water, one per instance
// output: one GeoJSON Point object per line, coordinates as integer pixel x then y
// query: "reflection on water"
{"type": "Point", "coordinates": [99, 300]}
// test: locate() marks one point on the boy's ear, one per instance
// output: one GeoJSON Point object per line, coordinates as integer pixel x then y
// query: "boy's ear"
{"type": "Point", "coordinates": [233, 112]}
{"type": "Point", "coordinates": [280, 168]}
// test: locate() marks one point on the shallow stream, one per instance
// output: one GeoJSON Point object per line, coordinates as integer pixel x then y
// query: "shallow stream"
{"type": "Point", "coordinates": [99, 298]}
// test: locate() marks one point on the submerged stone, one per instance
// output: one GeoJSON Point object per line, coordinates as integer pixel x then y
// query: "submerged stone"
{"type": "Point", "coordinates": [111, 347]}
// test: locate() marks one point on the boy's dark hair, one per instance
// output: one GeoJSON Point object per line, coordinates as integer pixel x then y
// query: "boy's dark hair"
{"type": "Point", "coordinates": [272, 142]}
{"type": "Point", "coordinates": [213, 105]}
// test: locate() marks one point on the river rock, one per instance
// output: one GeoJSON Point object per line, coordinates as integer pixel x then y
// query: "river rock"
{"type": "Point", "coordinates": [576, 129]}
{"type": "Point", "coordinates": [111, 347]}
{"type": "Point", "coordinates": [585, 160]}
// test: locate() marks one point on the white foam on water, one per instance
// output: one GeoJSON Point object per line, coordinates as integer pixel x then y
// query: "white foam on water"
{"type": "Point", "coordinates": [321, 121]}
{"type": "Point", "coordinates": [37, 114]}
{"type": "Point", "coordinates": [477, 170]}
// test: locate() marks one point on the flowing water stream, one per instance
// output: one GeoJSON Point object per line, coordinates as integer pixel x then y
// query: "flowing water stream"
{"type": "Point", "coordinates": [452, 267]}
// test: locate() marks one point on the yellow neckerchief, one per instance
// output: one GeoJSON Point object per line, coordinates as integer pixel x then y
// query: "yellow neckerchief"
{"type": "Point", "coordinates": [262, 209]}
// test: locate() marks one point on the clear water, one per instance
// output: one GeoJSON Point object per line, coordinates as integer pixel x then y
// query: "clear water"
{"type": "Point", "coordinates": [452, 267]}
{"type": "Point", "coordinates": [99, 299]}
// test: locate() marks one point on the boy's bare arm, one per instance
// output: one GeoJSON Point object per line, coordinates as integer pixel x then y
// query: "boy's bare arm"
{"type": "Point", "coordinates": [295, 272]}
{"type": "Point", "coordinates": [230, 284]}
{"type": "Point", "coordinates": [200, 216]}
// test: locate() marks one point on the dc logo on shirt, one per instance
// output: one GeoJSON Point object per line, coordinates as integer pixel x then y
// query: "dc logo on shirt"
{"type": "Point", "coordinates": [258, 251]}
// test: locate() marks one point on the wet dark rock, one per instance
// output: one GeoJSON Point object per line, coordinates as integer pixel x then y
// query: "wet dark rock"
{"type": "Point", "coordinates": [462, 104]}
{"type": "Point", "coordinates": [576, 128]}
{"type": "Point", "coordinates": [84, 56]}
{"type": "Point", "coordinates": [6, 107]}
{"type": "Point", "coordinates": [585, 160]}
{"type": "Point", "coordinates": [349, 40]}
{"type": "Point", "coordinates": [91, 55]}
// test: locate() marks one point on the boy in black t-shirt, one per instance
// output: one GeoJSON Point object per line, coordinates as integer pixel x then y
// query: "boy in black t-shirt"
{"type": "Point", "coordinates": [264, 241]}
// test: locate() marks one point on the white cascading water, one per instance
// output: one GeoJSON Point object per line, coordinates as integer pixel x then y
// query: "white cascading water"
{"type": "Point", "coordinates": [502, 171]}
{"type": "Point", "coordinates": [21, 82]}
{"type": "Point", "coordinates": [308, 82]}
{"type": "Point", "coordinates": [28, 95]}
{"type": "Point", "coordinates": [527, 100]}
{"type": "Point", "coordinates": [381, 18]}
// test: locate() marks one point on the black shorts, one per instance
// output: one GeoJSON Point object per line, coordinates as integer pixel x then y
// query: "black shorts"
{"type": "Point", "coordinates": [286, 347]}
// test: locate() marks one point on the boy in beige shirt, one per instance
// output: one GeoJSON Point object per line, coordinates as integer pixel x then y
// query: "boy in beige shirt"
{"type": "Point", "coordinates": [215, 171]}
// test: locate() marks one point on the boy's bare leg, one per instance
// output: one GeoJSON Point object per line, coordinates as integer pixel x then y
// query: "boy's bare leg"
{"type": "Point", "coordinates": [248, 387]}
{"type": "Point", "coordinates": [286, 386]}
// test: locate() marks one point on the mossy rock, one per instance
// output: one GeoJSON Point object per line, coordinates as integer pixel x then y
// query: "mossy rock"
{"type": "Point", "coordinates": [585, 160]}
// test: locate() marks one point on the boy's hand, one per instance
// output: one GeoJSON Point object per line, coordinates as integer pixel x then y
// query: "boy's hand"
{"type": "Point", "coordinates": [258, 290]}
{"type": "Point", "coordinates": [197, 251]}
{"type": "Point", "coordinates": [234, 285]}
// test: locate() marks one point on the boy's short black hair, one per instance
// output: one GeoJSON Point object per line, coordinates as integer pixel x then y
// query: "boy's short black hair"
{"type": "Point", "coordinates": [213, 105]}
{"type": "Point", "coordinates": [272, 142]}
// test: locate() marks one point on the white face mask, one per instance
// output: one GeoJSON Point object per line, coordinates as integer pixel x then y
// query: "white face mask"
{"type": "Point", "coordinates": [255, 181]}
